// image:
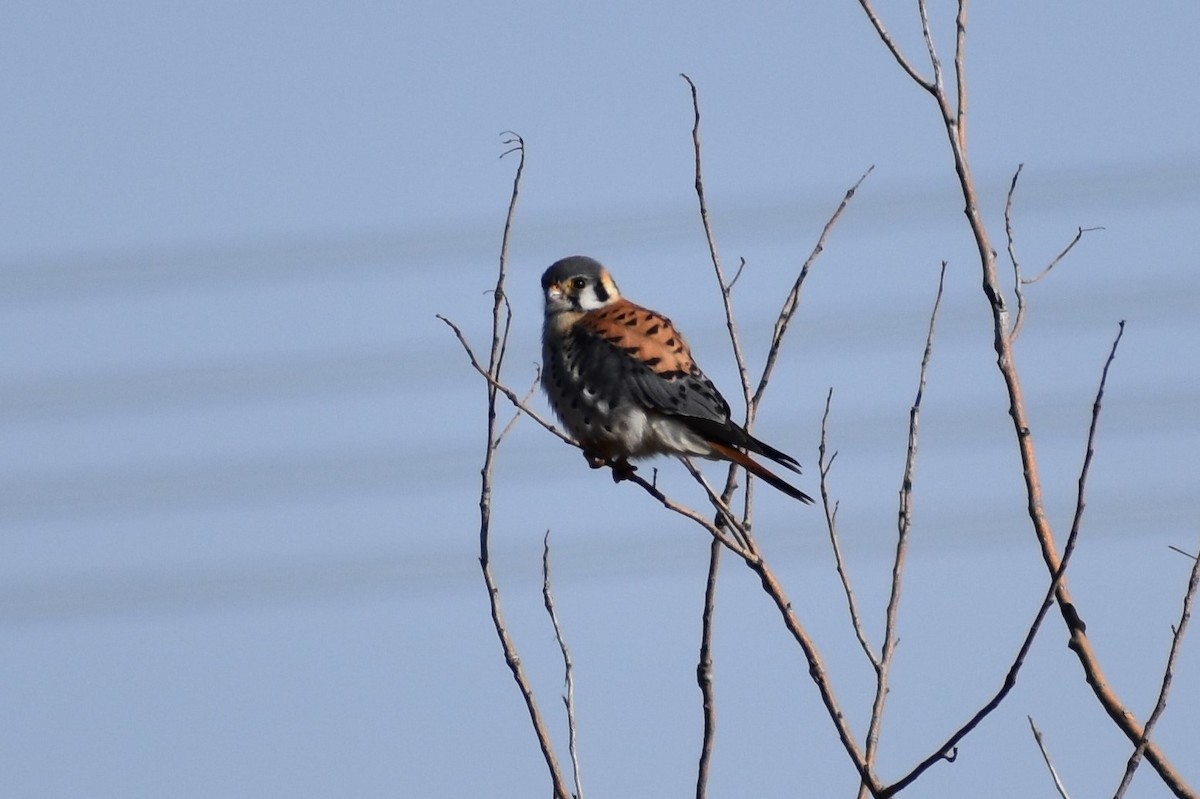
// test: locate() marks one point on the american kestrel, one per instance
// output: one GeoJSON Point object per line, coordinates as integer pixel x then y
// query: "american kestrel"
{"type": "Point", "coordinates": [623, 382]}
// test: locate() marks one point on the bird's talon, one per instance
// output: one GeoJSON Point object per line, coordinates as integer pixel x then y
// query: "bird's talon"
{"type": "Point", "coordinates": [622, 469]}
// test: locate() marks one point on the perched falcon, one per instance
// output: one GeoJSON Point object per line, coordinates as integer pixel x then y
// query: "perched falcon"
{"type": "Point", "coordinates": [622, 380]}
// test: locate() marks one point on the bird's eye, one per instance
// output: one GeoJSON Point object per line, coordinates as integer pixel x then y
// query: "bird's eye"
{"type": "Point", "coordinates": [578, 283]}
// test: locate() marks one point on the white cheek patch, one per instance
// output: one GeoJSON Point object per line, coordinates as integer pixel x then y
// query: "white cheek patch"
{"type": "Point", "coordinates": [588, 300]}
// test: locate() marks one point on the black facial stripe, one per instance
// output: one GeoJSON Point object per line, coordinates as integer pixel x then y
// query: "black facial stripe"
{"type": "Point", "coordinates": [601, 292]}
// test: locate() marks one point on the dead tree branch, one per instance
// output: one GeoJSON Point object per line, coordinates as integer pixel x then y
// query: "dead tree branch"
{"type": "Point", "coordinates": [792, 301]}
{"type": "Point", "coordinates": [824, 465]}
{"type": "Point", "coordinates": [1020, 282]}
{"type": "Point", "coordinates": [952, 112]}
{"type": "Point", "coordinates": [903, 527]}
{"type": "Point", "coordinates": [1041, 744]}
{"type": "Point", "coordinates": [1160, 705]}
{"type": "Point", "coordinates": [748, 550]}
{"type": "Point", "coordinates": [704, 670]}
{"type": "Point", "coordinates": [568, 666]}
{"type": "Point", "coordinates": [1010, 678]}
{"type": "Point", "coordinates": [501, 320]}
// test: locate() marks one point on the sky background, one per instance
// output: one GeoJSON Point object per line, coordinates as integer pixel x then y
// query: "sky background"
{"type": "Point", "coordinates": [238, 494]}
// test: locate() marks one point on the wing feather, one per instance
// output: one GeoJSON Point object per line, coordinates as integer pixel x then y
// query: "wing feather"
{"type": "Point", "coordinates": [659, 373]}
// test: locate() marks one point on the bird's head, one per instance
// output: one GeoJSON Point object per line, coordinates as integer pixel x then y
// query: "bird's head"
{"type": "Point", "coordinates": [578, 284]}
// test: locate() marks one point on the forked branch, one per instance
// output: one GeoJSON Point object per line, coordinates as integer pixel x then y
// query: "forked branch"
{"type": "Point", "coordinates": [952, 111]}
{"type": "Point", "coordinates": [501, 321]}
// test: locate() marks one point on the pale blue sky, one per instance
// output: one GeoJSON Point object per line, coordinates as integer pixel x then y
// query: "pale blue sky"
{"type": "Point", "coordinates": [238, 503]}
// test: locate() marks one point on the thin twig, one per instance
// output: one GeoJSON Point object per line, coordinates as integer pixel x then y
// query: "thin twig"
{"type": "Point", "coordinates": [568, 667]}
{"type": "Point", "coordinates": [726, 287]}
{"type": "Point", "coordinates": [500, 330]}
{"type": "Point", "coordinates": [495, 384]}
{"type": "Point", "coordinates": [517, 414]}
{"type": "Point", "coordinates": [903, 527]}
{"type": "Point", "coordinates": [1020, 282]}
{"type": "Point", "coordinates": [740, 531]}
{"type": "Point", "coordinates": [1073, 620]}
{"type": "Point", "coordinates": [1183, 552]}
{"type": "Point", "coordinates": [1012, 256]}
{"type": "Point", "coordinates": [704, 670]}
{"type": "Point", "coordinates": [1037, 737]}
{"type": "Point", "coordinates": [830, 507]}
{"type": "Point", "coordinates": [894, 49]}
{"type": "Point", "coordinates": [1078, 235]}
{"type": "Point", "coordinates": [927, 35]}
{"type": "Point", "coordinates": [1005, 362]}
{"type": "Point", "coordinates": [816, 671]}
{"type": "Point", "coordinates": [960, 76]}
{"type": "Point", "coordinates": [1090, 449]}
{"type": "Point", "coordinates": [1185, 615]}
{"type": "Point", "coordinates": [949, 748]}
{"type": "Point", "coordinates": [749, 552]}
{"type": "Point", "coordinates": [792, 300]}
{"type": "Point", "coordinates": [737, 274]}
{"type": "Point", "coordinates": [716, 531]}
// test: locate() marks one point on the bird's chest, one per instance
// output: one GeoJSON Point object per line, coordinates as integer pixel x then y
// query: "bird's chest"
{"type": "Point", "coordinates": [580, 387]}
{"type": "Point", "coordinates": [593, 388]}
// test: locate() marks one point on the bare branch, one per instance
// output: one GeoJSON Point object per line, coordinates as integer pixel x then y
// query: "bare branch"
{"type": "Point", "coordinates": [724, 518]}
{"type": "Point", "coordinates": [1168, 674]}
{"type": "Point", "coordinates": [1037, 737]}
{"type": "Point", "coordinates": [1183, 552]}
{"type": "Point", "coordinates": [1079, 642]}
{"type": "Point", "coordinates": [816, 671]}
{"type": "Point", "coordinates": [1090, 449]}
{"type": "Point", "coordinates": [830, 508]}
{"type": "Point", "coordinates": [517, 414]}
{"type": "Point", "coordinates": [725, 287]}
{"type": "Point", "coordinates": [568, 667]}
{"type": "Point", "coordinates": [1055, 588]}
{"type": "Point", "coordinates": [1012, 257]}
{"type": "Point", "coordinates": [960, 73]}
{"type": "Point", "coordinates": [903, 527]}
{"type": "Point", "coordinates": [688, 513]}
{"type": "Point", "coordinates": [495, 384]}
{"type": "Point", "coordinates": [704, 670]}
{"type": "Point", "coordinates": [935, 62]}
{"type": "Point", "coordinates": [1005, 362]}
{"type": "Point", "coordinates": [946, 750]}
{"type": "Point", "coordinates": [1020, 282]}
{"type": "Point", "coordinates": [894, 49]}
{"type": "Point", "coordinates": [737, 274]}
{"type": "Point", "coordinates": [792, 300]}
{"type": "Point", "coordinates": [500, 330]}
{"type": "Point", "coordinates": [740, 531]}
{"type": "Point", "coordinates": [1078, 235]}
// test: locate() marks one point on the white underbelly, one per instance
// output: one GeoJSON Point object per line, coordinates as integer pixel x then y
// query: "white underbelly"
{"type": "Point", "coordinates": [640, 434]}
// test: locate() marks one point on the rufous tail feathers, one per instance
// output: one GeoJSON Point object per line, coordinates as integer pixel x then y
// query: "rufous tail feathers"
{"type": "Point", "coordinates": [758, 470]}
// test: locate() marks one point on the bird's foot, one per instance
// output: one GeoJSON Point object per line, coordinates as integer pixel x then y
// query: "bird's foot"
{"type": "Point", "coordinates": [622, 469]}
{"type": "Point", "coordinates": [595, 461]}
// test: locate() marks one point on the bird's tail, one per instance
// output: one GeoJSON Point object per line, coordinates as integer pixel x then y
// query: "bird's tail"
{"type": "Point", "coordinates": [758, 470]}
